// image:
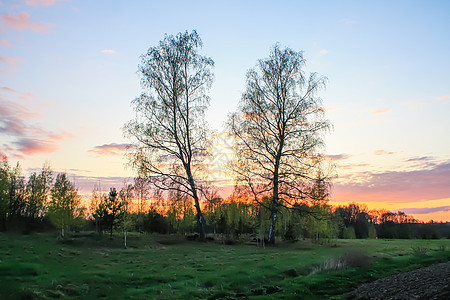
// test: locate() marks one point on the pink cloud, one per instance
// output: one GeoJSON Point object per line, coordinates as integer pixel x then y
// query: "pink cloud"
{"type": "Point", "coordinates": [60, 137]}
{"type": "Point", "coordinates": [29, 137]}
{"type": "Point", "coordinates": [23, 96]}
{"type": "Point", "coordinates": [26, 97]}
{"type": "Point", "coordinates": [5, 43]}
{"type": "Point", "coordinates": [9, 70]}
{"type": "Point", "coordinates": [15, 109]}
{"type": "Point", "coordinates": [86, 184]}
{"type": "Point", "coordinates": [420, 159]}
{"type": "Point", "coordinates": [12, 60]}
{"type": "Point", "coordinates": [13, 116]}
{"type": "Point", "coordinates": [21, 22]}
{"type": "Point", "coordinates": [383, 152]}
{"type": "Point", "coordinates": [9, 90]}
{"type": "Point", "coordinates": [426, 210]}
{"type": "Point", "coordinates": [34, 146]}
{"type": "Point", "coordinates": [57, 137]}
{"type": "Point", "coordinates": [337, 156]}
{"type": "Point", "coordinates": [41, 2]}
{"type": "Point", "coordinates": [399, 186]}
{"type": "Point", "coordinates": [46, 144]}
{"type": "Point", "coordinates": [110, 149]}
{"type": "Point", "coordinates": [11, 64]}
{"type": "Point", "coordinates": [422, 162]}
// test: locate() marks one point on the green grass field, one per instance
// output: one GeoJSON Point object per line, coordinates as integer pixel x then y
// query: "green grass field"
{"type": "Point", "coordinates": [167, 267]}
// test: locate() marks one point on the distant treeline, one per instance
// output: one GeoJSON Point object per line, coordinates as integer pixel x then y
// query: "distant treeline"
{"type": "Point", "coordinates": [236, 219]}
{"type": "Point", "coordinates": [44, 202]}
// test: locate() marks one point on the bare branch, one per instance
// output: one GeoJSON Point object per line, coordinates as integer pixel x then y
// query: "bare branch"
{"type": "Point", "coordinates": [278, 129]}
{"type": "Point", "coordinates": [169, 131]}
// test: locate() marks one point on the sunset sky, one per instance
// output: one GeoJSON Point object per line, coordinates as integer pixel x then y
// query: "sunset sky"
{"type": "Point", "coordinates": [68, 72]}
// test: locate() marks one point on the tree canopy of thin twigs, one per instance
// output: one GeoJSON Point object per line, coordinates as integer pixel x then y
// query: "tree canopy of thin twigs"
{"type": "Point", "coordinates": [169, 132]}
{"type": "Point", "coordinates": [278, 131]}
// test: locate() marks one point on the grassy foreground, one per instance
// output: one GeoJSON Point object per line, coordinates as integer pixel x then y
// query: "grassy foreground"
{"type": "Point", "coordinates": [167, 267]}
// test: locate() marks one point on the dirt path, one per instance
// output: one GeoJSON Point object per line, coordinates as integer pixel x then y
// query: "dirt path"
{"type": "Point", "coordinates": [427, 283]}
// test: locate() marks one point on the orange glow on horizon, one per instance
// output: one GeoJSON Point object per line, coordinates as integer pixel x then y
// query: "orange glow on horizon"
{"type": "Point", "coordinates": [438, 216]}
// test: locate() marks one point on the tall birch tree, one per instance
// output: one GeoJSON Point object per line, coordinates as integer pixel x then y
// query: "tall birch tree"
{"type": "Point", "coordinates": [169, 132]}
{"type": "Point", "coordinates": [278, 131]}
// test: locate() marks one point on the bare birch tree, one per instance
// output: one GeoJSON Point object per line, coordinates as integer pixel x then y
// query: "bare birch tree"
{"type": "Point", "coordinates": [278, 131]}
{"type": "Point", "coordinates": [169, 131]}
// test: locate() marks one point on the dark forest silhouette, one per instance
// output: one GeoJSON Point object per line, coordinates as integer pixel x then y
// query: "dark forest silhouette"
{"type": "Point", "coordinates": [233, 220]}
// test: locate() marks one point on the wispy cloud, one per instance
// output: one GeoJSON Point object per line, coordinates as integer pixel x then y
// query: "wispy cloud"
{"type": "Point", "coordinates": [5, 43]}
{"type": "Point", "coordinates": [12, 60]}
{"type": "Point", "coordinates": [421, 159]}
{"type": "Point", "coordinates": [443, 98]}
{"type": "Point", "coordinates": [22, 22]}
{"type": "Point", "coordinates": [42, 2]}
{"type": "Point", "coordinates": [86, 184]}
{"type": "Point", "coordinates": [426, 210]}
{"type": "Point", "coordinates": [31, 146]}
{"type": "Point", "coordinates": [351, 166]}
{"type": "Point", "coordinates": [396, 186]}
{"type": "Point", "coordinates": [18, 123]}
{"type": "Point", "coordinates": [9, 90]}
{"type": "Point", "coordinates": [108, 51]}
{"type": "Point", "coordinates": [26, 96]}
{"type": "Point", "coordinates": [13, 118]}
{"type": "Point", "coordinates": [380, 111]}
{"type": "Point", "coordinates": [383, 152]}
{"type": "Point", "coordinates": [10, 63]}
{"type": "Point", "coordinates": [110, 149]}
{"type": "Point", "coordinates": [22, 96]}
{"type": "Point", "coordinates": [335, 157]}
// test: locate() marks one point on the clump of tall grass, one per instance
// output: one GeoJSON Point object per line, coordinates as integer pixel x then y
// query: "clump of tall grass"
{"type": "Point", "coordinates": [419, 250]}
{"type": "Point", "coordinates": [349, 259]}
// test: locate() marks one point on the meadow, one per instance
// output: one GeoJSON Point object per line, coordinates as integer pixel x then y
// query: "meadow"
{"type": "Point", "coordinates": [87, 266]}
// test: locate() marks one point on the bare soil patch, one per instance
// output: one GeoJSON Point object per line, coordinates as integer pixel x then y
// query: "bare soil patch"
{"type": "Point", "coordinates": [426, 283]}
